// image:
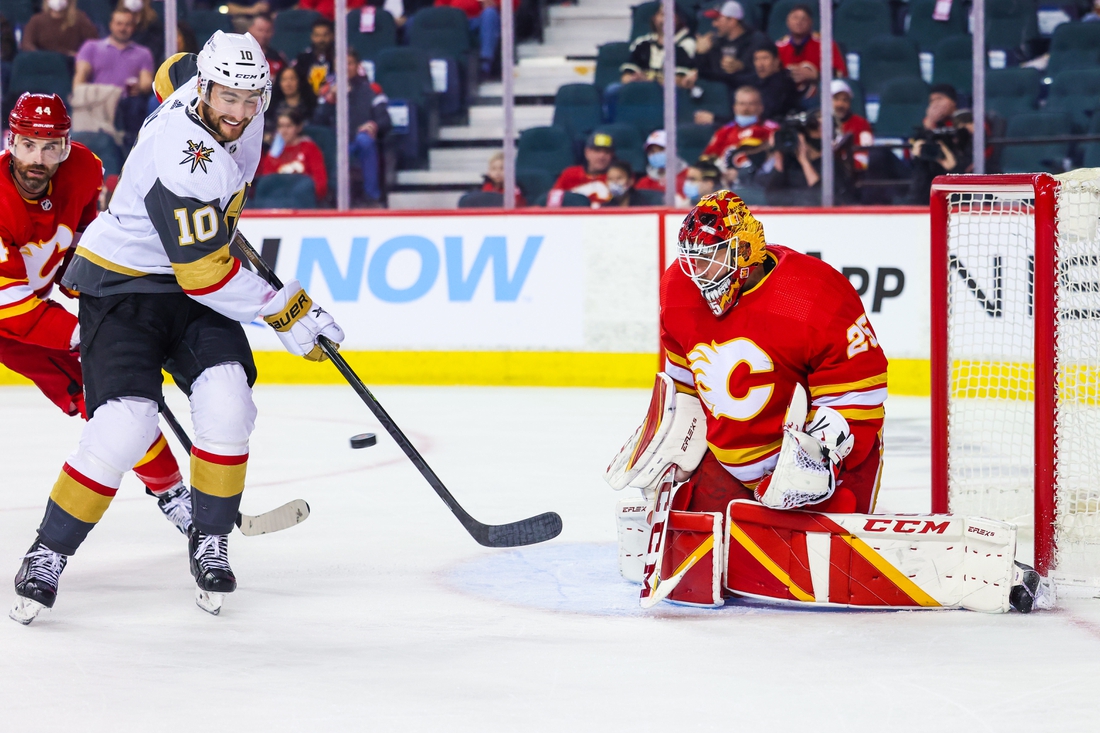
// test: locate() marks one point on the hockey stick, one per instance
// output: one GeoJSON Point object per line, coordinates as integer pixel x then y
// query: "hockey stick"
{"type": "Point", "coordinates": [524, 532]}
{"type": "Point", "coordinates": [279, 518]}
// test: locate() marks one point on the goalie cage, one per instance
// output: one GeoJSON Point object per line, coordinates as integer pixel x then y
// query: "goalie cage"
{"type": "Point", "coordinates": [1016, 359]}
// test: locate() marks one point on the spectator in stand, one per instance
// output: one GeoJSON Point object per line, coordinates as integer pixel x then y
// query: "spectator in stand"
{"type": "Point", "coordinates": [621, 185]}
{"type": "Point", "coordinates": [293, 152]}
{"type": "Point", "coordinates": [289, 91]}
{"type": "Point", "coordinates": [800, 53]}
{"type": "Point", "coordinates": [245, 9]}
{"type": "Point", "coordinates": [368, 121]}
{"type": "Point", "coordinates": [656, 146]}
{"type": "Point", "coordinates": [590, 179]}
{"type": "Point", "coordinates": [60, 27]}
{"type": "Point", "coordinates": [262, 29]}
{"type": "Point", "coordinates": [148, 28]}
{"type": "Point", "coordinates": [647, 53]}
{"type": "Point", "coordinates": [739, 148]}
{"type": "Point", "coordinates": [316, 62]}
{"type": "Point", "coordinates": [1094, 15]}
{"type": "Point", "coordinates": [118, 61]}
{"type": "Point", "coordinates": [484, 18]}
{"type": "Point", "coordinates": [327, 8]}
{"type": "Point", "coordinates": [778, 91]}
{"type": "Point", "coordinates": [792, 176]}
{"type": "Point", "coordinates": [726, 55]}
{"type": "Point", "coordinates": [494, 178]}
{"type": "Point", "coordinates": [851, 125]}
{"type": "Point", "coordinates": [937, 146]}
{"type": "Point", "coordinates": [701, 179]}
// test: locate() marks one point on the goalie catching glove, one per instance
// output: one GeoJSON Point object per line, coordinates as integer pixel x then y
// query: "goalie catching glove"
{"type": "Point", "coordinates": [299, 322]}
{"type": "Point", "coordinates": [673, 433]}
{"type": "Point", "coordinates": [810, 457]}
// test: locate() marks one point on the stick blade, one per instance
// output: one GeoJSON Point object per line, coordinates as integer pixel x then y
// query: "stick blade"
{"type": "Point", "coordinates": [528, 531]}
{"type": "Point", "coordinates": [279, 518]}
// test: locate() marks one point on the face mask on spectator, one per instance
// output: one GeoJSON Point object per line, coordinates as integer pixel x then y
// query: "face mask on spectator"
{"type": "Point", "coordinates": [133, 6]}
{"type": "Point", "coordinates": [691, 191]}
{"type": "Point", "coordinates": [277, 146]}
{"type": "Point", "coordinates": [657, 160]}
{"type": "Point", "coordinates": [617, 188]}
{"type": "Point", "coordinates": [744, 120]}
{"type": "Point", "coordinates": [57, 5]}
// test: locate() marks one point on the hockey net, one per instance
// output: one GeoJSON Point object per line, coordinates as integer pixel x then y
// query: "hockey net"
{"type": "Point", "coordinates": [1016, 359]}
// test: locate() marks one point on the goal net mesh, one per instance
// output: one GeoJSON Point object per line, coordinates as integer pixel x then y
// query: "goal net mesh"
{"type": "Point", "coordinates": [991, 363]}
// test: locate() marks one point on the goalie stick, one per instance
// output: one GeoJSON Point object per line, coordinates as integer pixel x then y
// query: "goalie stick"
{"type": "Point", "coordinates": [279, 518]}
{"type": "Point", "coordinates": [528, 531]}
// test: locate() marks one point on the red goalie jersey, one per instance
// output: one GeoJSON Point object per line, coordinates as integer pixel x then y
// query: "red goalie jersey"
{"type": "Point", "coordinates": [803, 323]}
{"type": "Point", "coordinates": [35, 241]}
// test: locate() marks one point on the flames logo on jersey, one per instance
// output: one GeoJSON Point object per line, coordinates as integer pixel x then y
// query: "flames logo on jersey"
{"type": "Point", "coordinates": [713, 365]}
{"type": "Point", "coordinates": [197, 154]}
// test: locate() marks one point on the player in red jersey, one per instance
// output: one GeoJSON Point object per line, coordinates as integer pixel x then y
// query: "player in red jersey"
{"type": "Point", "coordinates": [49, 190]}
{"type": "Point", "coordinates": [797, 322]}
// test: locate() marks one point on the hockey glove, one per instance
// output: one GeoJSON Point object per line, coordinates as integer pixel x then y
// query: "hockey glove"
{"type": "Point", "coordinates": [298, 322]}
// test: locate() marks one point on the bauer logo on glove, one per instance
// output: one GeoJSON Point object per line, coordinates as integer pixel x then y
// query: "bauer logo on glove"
{"type": "Point", "coordinates": [300, 323]}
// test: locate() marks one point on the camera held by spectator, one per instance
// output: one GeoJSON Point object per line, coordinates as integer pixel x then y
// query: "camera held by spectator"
{"type": "Point", "coordinates": [938, 146]}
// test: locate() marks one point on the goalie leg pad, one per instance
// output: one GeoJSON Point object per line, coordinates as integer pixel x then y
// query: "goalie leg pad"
{"type": "Point", "coordinates": [870, 561]}
{"type": "Point", "coordinates": [693, 558]}
{"type": "Point", "coordinates": [632, 518]}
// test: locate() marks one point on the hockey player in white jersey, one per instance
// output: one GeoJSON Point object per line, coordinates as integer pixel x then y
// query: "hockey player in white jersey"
{"type": "Point", "coordinates": [160, 289]}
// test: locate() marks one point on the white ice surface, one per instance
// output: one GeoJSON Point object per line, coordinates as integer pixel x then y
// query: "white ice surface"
{"type": "Point", "coordinates": [380, 614]}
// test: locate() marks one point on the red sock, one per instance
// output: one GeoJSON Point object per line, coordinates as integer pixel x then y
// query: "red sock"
{"type": "Point", "coordinates": [158, 469]}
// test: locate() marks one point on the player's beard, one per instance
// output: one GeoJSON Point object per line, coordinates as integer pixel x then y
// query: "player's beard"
{"type": "Point", "coordinates": [33, 178]}
{"type": "Point", "coordinates": [216, 122]}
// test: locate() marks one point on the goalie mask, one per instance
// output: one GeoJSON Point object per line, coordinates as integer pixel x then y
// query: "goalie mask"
{"type": "Point", "coordinates": [38, 129]}
{"type": "Point", "coordinates": [234, 77]}
{"type": "Point", "coordinates": [720, 244]}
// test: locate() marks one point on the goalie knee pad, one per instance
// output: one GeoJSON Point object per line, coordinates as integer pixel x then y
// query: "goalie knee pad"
{"type": "Point", "coordinates": [632, 518]}
{"type": "Point", "coordinates": [673, 433]}
{"type": "Point", "coordinates": [693, 558]}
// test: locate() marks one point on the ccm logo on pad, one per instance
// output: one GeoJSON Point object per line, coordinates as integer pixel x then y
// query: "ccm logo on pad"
{"type": "Point", "coordinates": [906, 526]}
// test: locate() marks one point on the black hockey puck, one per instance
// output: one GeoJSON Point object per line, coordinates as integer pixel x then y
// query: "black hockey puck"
{"type": "Point", "coordinates": [363, 440]}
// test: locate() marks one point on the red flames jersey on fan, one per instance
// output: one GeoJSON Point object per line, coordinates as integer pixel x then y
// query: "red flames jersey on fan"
{"type": "Point", "coordinates": [802, 323]}
{"type": "Point", "coordinates": [733, 135]}
{"type": "Point", "coordinates": [35, 237]}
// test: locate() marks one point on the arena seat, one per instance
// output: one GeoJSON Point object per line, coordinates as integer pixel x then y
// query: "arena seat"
{"type": "Point", "coordinates": [292, 30]}
{"type": "Point", "coordinates": [549, 149]}
{"type": "Point", "coordinates": [46, 72]}
{"type": "Point", "coordinates": [1010, 91]}
{"type": "Point", "coordinates": [1047, 157]}
{"type": "Point", "coordinates": [642, 104]}
{"type": "Point", "coordinates": [886, 58]}
{"type": "Point", "coordinates": [577, 109]}
{"type": "Point", "coordinates": [205, 23]}
{"type": "Point", "coordinates": [954, 63]}
{"type": "Point", "coordinates": [609, 57]}
{"type": "Point", "coordinates": [1010, 25]}
{"type": "Point", "coordinates": [692, 139]}
{"type": "Point", "coordinates": [927, 31]}
{"type": "Point", "coordinates": [1075, 94]}
{"type": "Point", "coordinates": [1092, 149]}
{"type": "Point", "coordinates": [1074, 46]}
{"type": "Point", "coordinates": [716, 98]}
{"type": "Point", "coordinates": [285, 191]}
{"type": "Point", "coordinates": [325, 138]}
{"type": "Point", "coordinates": [533, 182]}
{"type": "Point", "coordinates": [104, 146]}
{"type": "Point", "coordinates": [856, 22]}
{"type": "Point", "coordinates": [369, 45]}
{"type": "Point", "coordinates": [902, 105]}
{"type": "Point", "coordinates": [481, 200]}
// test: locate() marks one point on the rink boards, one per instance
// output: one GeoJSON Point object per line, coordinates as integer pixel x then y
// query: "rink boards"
{"type": "Point", "coordinates": [567, 298]}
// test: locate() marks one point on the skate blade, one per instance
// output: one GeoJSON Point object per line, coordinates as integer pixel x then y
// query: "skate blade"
{"type": "Point", "coordinates": [207, 601]}
{"type": "Point", "coordinates": [25, 610]}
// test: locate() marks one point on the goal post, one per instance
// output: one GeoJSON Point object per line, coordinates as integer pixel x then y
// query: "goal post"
{"type": "Point", "coordinates": [1015, 355]}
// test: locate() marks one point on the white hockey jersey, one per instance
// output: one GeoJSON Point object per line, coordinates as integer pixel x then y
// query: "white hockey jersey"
{"type": "Point", "coordinates": [172, 217]}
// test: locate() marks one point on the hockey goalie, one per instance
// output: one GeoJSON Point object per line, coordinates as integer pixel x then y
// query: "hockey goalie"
{"type": "Point", "coordinates": [760, 456]}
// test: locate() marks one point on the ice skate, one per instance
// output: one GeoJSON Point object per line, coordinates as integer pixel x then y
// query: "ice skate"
{"type": "Point", "coordinates": [1031, 591]}
{"type": "Point", "coordinates": [36, 582]}
{"type": "Point", "coordinates": [176, 506]}
{"type": "Point", "coordinates": [210, 568]}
